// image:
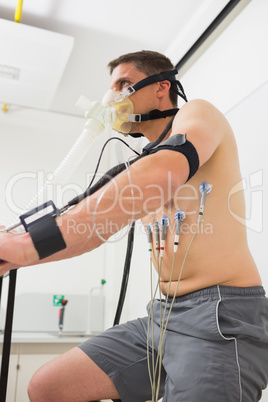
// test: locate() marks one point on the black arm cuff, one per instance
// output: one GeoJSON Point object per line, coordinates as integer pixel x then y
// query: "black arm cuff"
{"type": "Point", "coordinates": [44, 231]}
{"type": "Point", "coordinates": [178, 143]}
{"type": "Point", "coordinates": [46, 236]}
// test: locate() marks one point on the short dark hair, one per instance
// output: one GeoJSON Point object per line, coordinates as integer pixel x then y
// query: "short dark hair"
{"type": "Point", "coordinates": [149, 63]}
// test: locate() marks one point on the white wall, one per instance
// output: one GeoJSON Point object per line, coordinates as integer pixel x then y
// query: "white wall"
{"type": "Point", "coordinates": [233, 75]}
{"type": "Point", "coordinates": [236, 63]}
{"type": "Point", "coordinates": [249, 120]}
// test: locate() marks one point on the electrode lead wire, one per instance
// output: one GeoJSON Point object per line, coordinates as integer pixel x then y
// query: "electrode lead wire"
{"type": "Point", "coordinates": [162, 335]}
{"type": "Point", "coordinates": [151, 315]}
{"type": "Point", "coordinates": [148, 334]}
{"type": "Point", "coordinates": [205, 189]}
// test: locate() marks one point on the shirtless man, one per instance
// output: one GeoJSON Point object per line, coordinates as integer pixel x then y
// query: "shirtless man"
{"type": "Point", "coordinates": [216, 343]}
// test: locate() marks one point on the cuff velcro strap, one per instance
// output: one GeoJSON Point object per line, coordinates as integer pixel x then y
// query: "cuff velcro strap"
{"type": "Point", "coordinates": [44, 231]}
{"type": "Point", "coordinates": [46, 237]}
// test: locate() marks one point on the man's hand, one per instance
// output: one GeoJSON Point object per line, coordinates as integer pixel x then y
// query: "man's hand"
{"type": "Point", "coordinates": [7, 266]}
{"type": "Point", "coordinates": [16, 251]}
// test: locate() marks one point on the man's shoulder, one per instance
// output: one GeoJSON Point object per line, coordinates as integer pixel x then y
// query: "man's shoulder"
{"type": "Point", "coordinates": [205, 126]}
{"type": "Point", "coordinates": [197, 106]}
{"type": "Point", "coordinates": [201, 114]}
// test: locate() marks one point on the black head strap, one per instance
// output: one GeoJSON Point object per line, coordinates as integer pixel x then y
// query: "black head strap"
{"type": "Point", "coordinates": [166, 75]}
{"type": "Point", "coordinates": [176, 86]}
{"type": "Point", "coordinates": [178, 89]}
{"type": "Point", "coordinates": [136, 135]}
{"type": "Point", "coordinates": [156, 114]}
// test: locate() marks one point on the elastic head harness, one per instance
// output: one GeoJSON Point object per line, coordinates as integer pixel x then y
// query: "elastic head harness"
{"type": "Point", "coordinates": [176, 87]}
{"type": "Point", "coordinates": [166, 75]}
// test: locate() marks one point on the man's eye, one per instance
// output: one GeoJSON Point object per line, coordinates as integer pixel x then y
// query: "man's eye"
{"type": "Point", "coordinates": [124, 84]}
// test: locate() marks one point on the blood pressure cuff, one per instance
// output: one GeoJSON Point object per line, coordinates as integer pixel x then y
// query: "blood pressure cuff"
{"type": "Point", "coordinates": [179, 143]}
{"type": "Point", "coordinates": [41, 224]}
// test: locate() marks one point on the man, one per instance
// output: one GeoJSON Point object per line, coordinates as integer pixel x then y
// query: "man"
{"type": "Point", "coordinates": [216, 342]}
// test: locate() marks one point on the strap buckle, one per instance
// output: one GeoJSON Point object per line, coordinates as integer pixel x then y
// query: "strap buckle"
{"type": "Point", "coordinates": [39, 213]}
{"type": "Point", "coordinates": [125, 94]}
{"type": "Point", "coordinates": [135, 118]}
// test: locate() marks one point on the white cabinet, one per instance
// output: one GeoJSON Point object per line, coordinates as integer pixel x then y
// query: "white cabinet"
{"type": "Point", "coordinates": [28, 353]}
{"type": "Point", "coordinates": [12, 378]}
{"type": "Point", "coordinates": [27, 366]}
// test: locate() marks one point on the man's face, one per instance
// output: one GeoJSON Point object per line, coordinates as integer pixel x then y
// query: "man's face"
{"type": "Point", "coordinates": [124, 76]}
{"type": "Point", "coordinates": [145, 99]}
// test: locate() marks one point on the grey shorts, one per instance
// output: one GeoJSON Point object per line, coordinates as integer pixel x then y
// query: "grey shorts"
{"type": "Point", "coordinates": [215, 349]}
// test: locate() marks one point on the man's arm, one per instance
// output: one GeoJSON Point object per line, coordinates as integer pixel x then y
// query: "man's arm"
{"type": "Point", "coordinates": [148, 184]}
{"type": "Point", "coordinates": [99, 216]}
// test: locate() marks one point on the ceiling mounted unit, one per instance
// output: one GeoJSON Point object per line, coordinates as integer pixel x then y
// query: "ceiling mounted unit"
{"type": "Point", "coordinates": [32, 62]}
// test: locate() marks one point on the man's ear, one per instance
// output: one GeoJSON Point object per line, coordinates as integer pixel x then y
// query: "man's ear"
{"type": "Point", "coordinates": [163, 88]}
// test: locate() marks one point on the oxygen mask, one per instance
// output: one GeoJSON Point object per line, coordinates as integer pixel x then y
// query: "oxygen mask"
{"type": "Point", "coordinates": [122, 107]}
{"type": "Point", "coordinates": [117, 109]}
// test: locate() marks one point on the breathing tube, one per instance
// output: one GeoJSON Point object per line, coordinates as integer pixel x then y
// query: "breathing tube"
{"type": "Point", "coordinates": [98, 117]}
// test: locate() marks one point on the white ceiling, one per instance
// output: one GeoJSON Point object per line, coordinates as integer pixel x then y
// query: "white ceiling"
{"type": "Point", "coordinates": [104, 29]}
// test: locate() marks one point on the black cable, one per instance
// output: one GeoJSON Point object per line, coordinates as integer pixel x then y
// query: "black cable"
{"type": "Point", "coordinates": [208, 31]}
{"type": "Point", "coordinates": [114, 171]}
{"type": "Point", "coordinates": [130, 241]}
{"type": "Point", "coordinates": [101, 153]}
{"type": "Point", "coordinates": [7, 335]}
{"type": "Point", "coordinates": [125, 277]}
{"type": "Point", "coordinates": [161, 137]}
{"type": "Point", "coordinates": [1, 286]}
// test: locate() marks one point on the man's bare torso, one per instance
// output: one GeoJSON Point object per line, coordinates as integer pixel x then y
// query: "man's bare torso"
{"type": "Point", "coordinates": [219, 254]}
